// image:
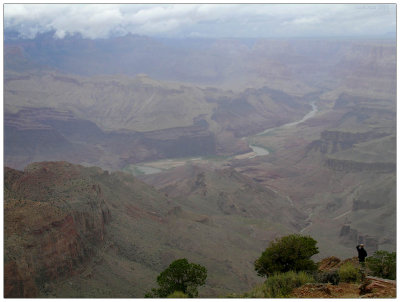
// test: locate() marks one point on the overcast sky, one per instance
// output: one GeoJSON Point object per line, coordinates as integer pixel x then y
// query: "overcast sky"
{"type": "Point", "coordinates": [202, 20]}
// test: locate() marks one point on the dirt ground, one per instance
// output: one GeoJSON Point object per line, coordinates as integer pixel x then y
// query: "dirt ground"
{"type": "Point", "coordinates": [343, 290]}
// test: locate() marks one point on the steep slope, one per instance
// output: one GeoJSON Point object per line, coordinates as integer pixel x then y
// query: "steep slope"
{"type": "Point", "coordinates": [367, 153]}
{"type": "Point", "coordinates": [225, 192]}
{"type": "Point", "coordinates": [338, 166]}
{"type": "Point", "coordinates": [109, 235]}
{"type": "Point", "coordinates": [53, 222]}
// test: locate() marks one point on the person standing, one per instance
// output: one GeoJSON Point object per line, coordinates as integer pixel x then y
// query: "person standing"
{"type": "Point", "coordinates": [362, 254]}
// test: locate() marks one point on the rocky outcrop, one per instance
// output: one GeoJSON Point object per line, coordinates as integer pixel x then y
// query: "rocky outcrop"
{"type": "Point", "coordinates": [51, 247]}
{"type": "Point", "coordinates": [348, 234]}
{"type": "Point", "coordinates": [349, 237]}
{"type": "Point", "coordinates": [355, 166]}
{"type": "Point", "coordinates": [48, 237]}
{"type": "Point", "coordinates": [181, 141]}
{"type": "Point", "coordinates": [374, 287]}
{"type": "Point", "coordinates": [349, 137]}
{"type": "Point", "coordinates": [360, 204]}
{"type": "Point", "coordinates": [329, 263]}
{"type": "Point", "coordinates": [335, 141]}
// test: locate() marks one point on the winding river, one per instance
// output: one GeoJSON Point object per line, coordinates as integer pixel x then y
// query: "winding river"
{"type": "Point", "coordinates": [148, 169]}
{"type": "Point", "coordinates": [257, 150]}
{"type": "Point", "coordinates": [309, 115]}
{"type": "Point", "coordinates": [260, 151]}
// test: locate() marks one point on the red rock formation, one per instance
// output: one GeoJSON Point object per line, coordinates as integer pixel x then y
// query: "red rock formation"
{"type": "Point", "coordinates": [374, 287]}
{"type": "Point", "coordinates": [329, 263]}
{"type": "Point", "coordinates": [47, 239]}
{"type": "Point", "coordinates": [18, 281]}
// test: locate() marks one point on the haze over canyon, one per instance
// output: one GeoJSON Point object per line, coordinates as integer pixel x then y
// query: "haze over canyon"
{"type": "Point", "coordinates": [124, 153]}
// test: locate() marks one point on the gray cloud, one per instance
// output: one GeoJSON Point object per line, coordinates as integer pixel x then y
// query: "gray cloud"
{"type": "Point", "coordinates": [206, 20]}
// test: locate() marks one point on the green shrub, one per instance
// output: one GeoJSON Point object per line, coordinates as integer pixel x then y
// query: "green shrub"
{"type": "Point", "coordinates": [383, 264]}
{"type": "Point", "coordinates": [179, 276]}
{"type": "Point", "coordinates": [349, 273]}
{"type": "Point", "coordinates": [280, 285]}
{"type": "Point", "coordinates": [331, 277]}
{"type": "Point", "coordinates": [256, 292]}
{"type": "Point", "coordinates": [289, 253]}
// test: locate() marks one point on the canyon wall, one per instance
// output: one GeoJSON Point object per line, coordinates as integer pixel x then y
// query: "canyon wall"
{"type": "Point", "coordinates": [48, 232]}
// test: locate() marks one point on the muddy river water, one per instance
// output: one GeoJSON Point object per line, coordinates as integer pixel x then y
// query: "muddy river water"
{"type": "Point", "coordinates": [260, 151]}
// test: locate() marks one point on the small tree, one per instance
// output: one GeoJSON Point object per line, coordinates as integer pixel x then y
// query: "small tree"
{"type": "Point", "coordinates": [383, 264]}
{"type": "Point", "coordinates": [289, 253]}
{"type": "Point", "coordinates": [180, 276]}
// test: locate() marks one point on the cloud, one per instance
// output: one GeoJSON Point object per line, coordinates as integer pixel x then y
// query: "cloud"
{"type": "Point", "coordinates": [205, 20]}
{"type": "Point", "coordinates": [306, 20]}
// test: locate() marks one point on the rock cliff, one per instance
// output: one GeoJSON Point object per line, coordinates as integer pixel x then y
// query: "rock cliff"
{"type": "Point", "coordinates": [335, 141]}
{"type": "Point", "coordinates": [48, 232]}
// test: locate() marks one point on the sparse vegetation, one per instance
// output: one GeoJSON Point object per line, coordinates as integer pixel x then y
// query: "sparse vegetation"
{"type": "Point", "coordinates": [349, 273]}
{"type": "Point", "coordinates": [383, 264]}
{"type": "Point", "coordinates": [180, 276]}
{"type": "Point", "coordinates": [331, 276]}
{"type": "Point", "coordinates": [280, 285]}
{"type": "Point", "coordinates": [289, 253]}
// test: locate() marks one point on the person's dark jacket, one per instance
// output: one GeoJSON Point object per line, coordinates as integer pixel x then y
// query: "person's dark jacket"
{"type": "Point", "coordinates": [361, 253]}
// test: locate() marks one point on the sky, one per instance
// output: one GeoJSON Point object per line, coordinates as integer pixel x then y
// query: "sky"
{"type": "Point", "coordinates": [202, 20]}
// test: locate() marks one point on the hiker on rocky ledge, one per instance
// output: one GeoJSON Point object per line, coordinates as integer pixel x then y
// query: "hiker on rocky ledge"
{"type": "Point", "coordinates": [362, 253]}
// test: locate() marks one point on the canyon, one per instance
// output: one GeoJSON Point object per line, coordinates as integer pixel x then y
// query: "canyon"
{"type": "Point", "coordinates": [246, 141]}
